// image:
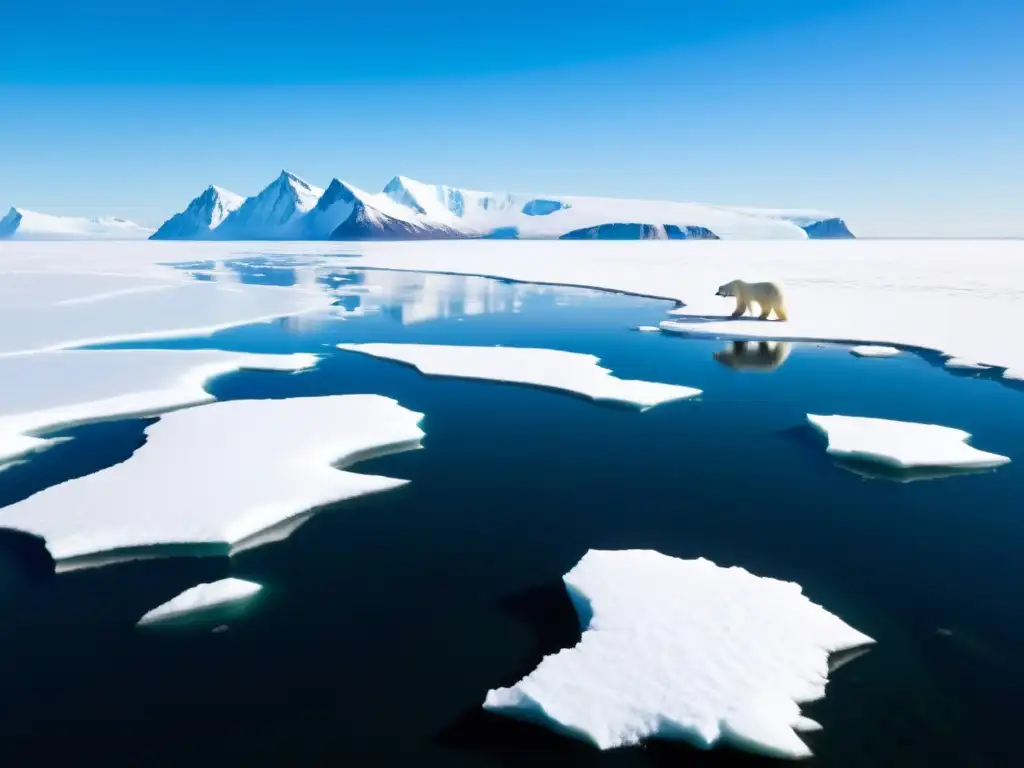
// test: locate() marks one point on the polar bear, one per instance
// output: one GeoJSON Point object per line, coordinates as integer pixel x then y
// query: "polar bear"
{"type": "Point", "coordinates": [767, 296]}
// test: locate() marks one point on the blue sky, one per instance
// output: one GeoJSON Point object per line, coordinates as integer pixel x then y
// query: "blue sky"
{"type": "Point", "coordinates": [904, 117]}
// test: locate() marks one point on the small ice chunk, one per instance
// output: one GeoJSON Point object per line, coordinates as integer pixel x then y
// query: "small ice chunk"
{"type": "Point", "coordinates": [648, 328]}
{"type": "Point", "coordinates": [217, 477]}
{"type": "Point", "coordinates": [959, 362]}
{"type": "Point", "coordinates": [870, 350]}
{"type": "Point", "coordinates": [43, 391]}
{"type": "Point", "coordinates": [682, 649]}
{"type": "Point", "coordinates": [901, 444]}
{"type": "Point", "coordinates": [549, 368]}
{"type": "Point", "coordinates": [202, 598]}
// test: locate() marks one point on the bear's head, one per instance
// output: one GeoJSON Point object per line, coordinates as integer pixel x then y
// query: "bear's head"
{"type": "Point", "coordinates": [727, 290]}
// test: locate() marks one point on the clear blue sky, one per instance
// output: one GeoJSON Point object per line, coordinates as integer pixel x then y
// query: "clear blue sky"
{"type": "Point", "coordinates": [906, 117]}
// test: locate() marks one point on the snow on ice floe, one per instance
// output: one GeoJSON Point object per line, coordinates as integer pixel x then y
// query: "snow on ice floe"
{"type": "Point", "coordinates": [202, 600]}
{"type": "Point", "coordinates": [548, 368]}
{"type": "Point", "coordinates": [870, 350]}
{"type": "Point", "coordinates": [684, 650]}
{"type": "Point", "coordinates": [68, 308]}
{"type": "Point", "coordinates": [902, 445]}
{"type": "Point", "coordinates": [207, 479]}
{"type": "Point", "coordinates": [43, 392]}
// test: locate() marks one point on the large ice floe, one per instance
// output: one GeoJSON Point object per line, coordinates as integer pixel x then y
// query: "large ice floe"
{"type": "Point", "coordinates": [202, 601]}
{"type": "Point", "coordinates": [219, 478]}
{"type": "Point", "coordinates": [547, 368]}
{"type": "Point", "coordinates": [902, 445]}
{"type": "Point", "coordinates": [683, 650]}
{"type": "Point", "coordinates": [45, 391]}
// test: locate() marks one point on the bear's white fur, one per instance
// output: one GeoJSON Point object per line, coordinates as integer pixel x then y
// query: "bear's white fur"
{"type": "Point", "coordinates": [767, 296]}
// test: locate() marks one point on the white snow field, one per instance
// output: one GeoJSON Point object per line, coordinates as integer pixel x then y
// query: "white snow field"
{"type": "Point", "coordinates": [902, 444]}
{"type": "Point", "coordinates": [874, 351]}
{"type": "Point", "coordinates": [20, 224]}
{"type": "Point", "coordinates": [44, 391]}
{"type": "Point", "coordinates": [547, 368]}
{"type": "Point", "coordinates": [959, 297]}
{"type": "Point", "coordinates": [684, 650]}
{"type": "Point", "coordinates": [201, 599]}
{"type": "Point", "coordinates": [76, 299]}
{"type": "Point", "coordinates": [208, 480]}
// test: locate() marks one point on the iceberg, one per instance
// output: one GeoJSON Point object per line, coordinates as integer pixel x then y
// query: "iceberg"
{"type": "Point", "coordinates": [42, 392]}
{"type": "Point", "coordinates": [683, 650]}
{"type": "Point", "coordinates": [21, 224]}
{"type": "Point", "coordinates": [203, 215]}
{"type": "Point", "coordinates": [210, 483]}
{"type": "Point", "coordinates": [901, 445]}
{"type": "Point", "coordinates": [547, 368]}
{"type": "Point", "coordinates": [202, 601]}
{"type": "Point", "coordinates": [874, 351]}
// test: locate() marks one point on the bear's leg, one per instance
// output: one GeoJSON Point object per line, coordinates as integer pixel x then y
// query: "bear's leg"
{"type": "Point", "coordinates": [766, 309]}
{"type": "Point", "coordinates": [741, 307]}
{"type": "Point", "coordinates": [780, 312]}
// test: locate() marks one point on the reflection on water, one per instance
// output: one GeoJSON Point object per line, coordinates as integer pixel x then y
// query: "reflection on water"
{"type": "Point", "coordinates": [754, 356]}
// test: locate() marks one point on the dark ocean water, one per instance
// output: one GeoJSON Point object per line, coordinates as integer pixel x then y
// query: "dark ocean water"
{"type": "Point", "coordinates": [386, 620]}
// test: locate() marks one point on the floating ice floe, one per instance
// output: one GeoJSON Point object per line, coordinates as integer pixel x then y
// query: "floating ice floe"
{"type": "Point", "coordinates": [870, 350]}
{"type": "Point", "coordinates": [648, 328]}
{"type": "Point", "coordinates": [960, 363]}
{"type": "Point", "coordinates": [48, 390]}
{"type": "Point", "coordinates": [548, 368]}
{"type": "Point", "coordinates": [203, 600]}
{"type": "Point", "coordinates": [219, 478]}
{"type": "Point", "coordinates": [684, 650]}
{"type": "Point", "coordinates": [902, 445]}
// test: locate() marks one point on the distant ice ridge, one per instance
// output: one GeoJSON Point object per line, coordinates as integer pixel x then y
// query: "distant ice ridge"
{"type": "Point", "coordinates": [203, 215]}
{"type": "Point", "coordinates": [42, 392]}
{"type": "Point", "coordinates": [20, 224]}
{"type": "Point", "coordinates": [290, 208]}
{"type": "Point", "coordinates": [202, 599]}
{"type": "Point", "coordinates": [207, 481]}
{"type": "Point", "coordinates": [547, 368]}
{"type": "Point", "coordinates": [685, 650]}
{"type": "Point", "coordinates": [902, 444]}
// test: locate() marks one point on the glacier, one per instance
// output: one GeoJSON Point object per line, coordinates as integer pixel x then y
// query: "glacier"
{"type": "Point", "coordinates": [684, 650]}
{"type": "Point", "coordinates": [207, 481]}
{"type": "Point", "coordinates": [22, 224]}
{"type": "Point", "coordinates": [546, 368]}
{"type": "Point", "coordinates": [406, 209]}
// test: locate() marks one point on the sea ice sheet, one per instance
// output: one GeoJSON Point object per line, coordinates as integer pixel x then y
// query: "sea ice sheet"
{"type": "Point", "coordinates": [47, 390]}
{"type": "Point", "coordinates": [686, 650]}
{"type": "Point", "coordinates": [549, 368]}
{"type": "Point", "coordinates": [901, 444]}
{"type": "Point", "coordinates": [201, 598]}
{"type": "Point", "coordinates": [216, 476]}
{"type": "Point", "coordinates": [874, 351]}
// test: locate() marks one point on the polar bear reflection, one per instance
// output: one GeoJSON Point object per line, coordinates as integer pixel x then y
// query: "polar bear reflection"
{"type": "Point", "coordinates": [747, 356]}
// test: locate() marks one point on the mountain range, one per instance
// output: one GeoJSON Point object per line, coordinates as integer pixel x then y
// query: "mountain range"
{"type": "Point", "coordinates": [290, 208]}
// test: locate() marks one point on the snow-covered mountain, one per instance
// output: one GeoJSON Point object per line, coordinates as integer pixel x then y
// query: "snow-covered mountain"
{"type": "Point", "coordinates": [20, 224]}
{"type": "Point", "coordinates": [203, 215]}
{"type": "Point", "coordinates": [409, 210]}
{"type": "Point", "coordinates": [276, 213]}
